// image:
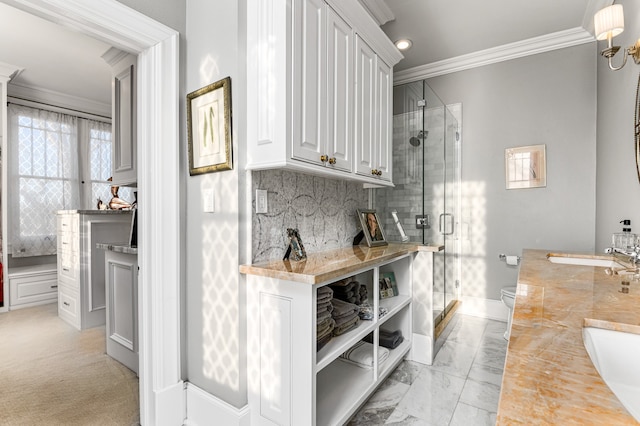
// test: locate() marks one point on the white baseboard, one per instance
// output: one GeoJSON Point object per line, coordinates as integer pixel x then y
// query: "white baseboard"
{"type": "Point", "coordinates": [484, 308]}
{"type": "Point", "coordinates": [205, 409]}
{"type": "Point", "coordinates": [421, 349]}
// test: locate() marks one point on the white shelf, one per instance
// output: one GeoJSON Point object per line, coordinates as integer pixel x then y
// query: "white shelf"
{"type": "Point", "coordinates": [395, 356]}
{"type": "Point", "coordinates": [394, 305]}
{"type": "Point", "coordinates": [337, 345]}
{"type": "Point", "coordinates": [341, 388]}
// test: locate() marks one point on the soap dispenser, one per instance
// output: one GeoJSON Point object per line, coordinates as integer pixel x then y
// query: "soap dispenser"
{"type": "Point", "coordinates": [624, 239]}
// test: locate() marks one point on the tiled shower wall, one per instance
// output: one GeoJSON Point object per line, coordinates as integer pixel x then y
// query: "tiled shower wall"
{"type": "Point", "coordinates": [323, 210]}
{"type": "Point", "coordinates": [408, 168]}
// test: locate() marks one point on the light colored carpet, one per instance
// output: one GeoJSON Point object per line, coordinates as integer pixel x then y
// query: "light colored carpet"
{"type": "Point", "coordinates": [53, 374]}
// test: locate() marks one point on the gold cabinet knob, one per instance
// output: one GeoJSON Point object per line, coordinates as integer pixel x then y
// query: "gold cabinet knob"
{"type": "Point", "coordinates": [374, 172]}
{"type": "Point", "coordinates": [332, 160]}
{"type": "Point", "coordinates": [324, 158]}
{"type": "Point", "coordinates": [379, 173]}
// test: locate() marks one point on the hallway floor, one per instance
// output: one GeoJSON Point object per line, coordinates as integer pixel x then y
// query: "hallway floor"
{"type": "Point", "coordinates": [462, 387]}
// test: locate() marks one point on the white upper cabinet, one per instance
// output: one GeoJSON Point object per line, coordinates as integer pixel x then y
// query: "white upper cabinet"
{"type": "Point", "coordinates": [302, 84]}
{"type": "Point", "coordinates": [124, 150]}
{"type": "Point", "coordinates": [373, 113]}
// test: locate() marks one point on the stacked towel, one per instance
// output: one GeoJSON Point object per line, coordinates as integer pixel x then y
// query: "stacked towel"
{"type": "Point", "coordinates": [345, 316]}
{"type": "Point", "coordinates": [361, 354]}
{"type": "Point", "coordinates": [349, 290]}
{"type": "Point", "coordinates": [325, 322]}
{"type": "Point", "coordinates": [387, 339]}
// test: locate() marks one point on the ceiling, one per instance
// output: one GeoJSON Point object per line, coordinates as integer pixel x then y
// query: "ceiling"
{"type": "Point", "coordinates": [58, 59]}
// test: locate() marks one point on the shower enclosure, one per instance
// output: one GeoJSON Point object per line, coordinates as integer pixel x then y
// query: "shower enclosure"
{"type": "Point", "coordinates": [426, 174]}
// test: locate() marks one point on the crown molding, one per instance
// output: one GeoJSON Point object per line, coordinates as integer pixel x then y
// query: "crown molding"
{"type": "Point", "coordinates": [532, 46]}
{"type": "Point", "coordinates": [57, 99]}
{"type": "Point", "coordinates": [113, 56]}
{"type": "Point", "coordinates": [8, 71]}
{"type": "Point", "coordinates": [379, 10]}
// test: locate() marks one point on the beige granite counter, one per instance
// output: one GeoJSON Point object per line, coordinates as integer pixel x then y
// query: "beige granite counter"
{"type": "Point", "coordinates": [327, 265]}
{"type": "Point", "coordinates": [548, 376]}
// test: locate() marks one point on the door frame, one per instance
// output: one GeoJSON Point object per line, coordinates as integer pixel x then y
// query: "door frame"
{"type": "Point", "coordinates": [157, 47]}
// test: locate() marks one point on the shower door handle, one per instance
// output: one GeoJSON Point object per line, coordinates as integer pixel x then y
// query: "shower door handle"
{"type": "Point", "coordinates": [446, 226]}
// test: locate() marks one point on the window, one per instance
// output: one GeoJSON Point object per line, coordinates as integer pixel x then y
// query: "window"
{"type": "Point", "coordinates": [56, 162]}
{"type": "Point", "coordinates": [43, 177]}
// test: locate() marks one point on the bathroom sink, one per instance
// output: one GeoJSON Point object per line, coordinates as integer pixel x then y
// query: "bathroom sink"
{"type": "Point", "coordinates": [584, 261]}
{"type": "Point", "coordinates": [615, 355]}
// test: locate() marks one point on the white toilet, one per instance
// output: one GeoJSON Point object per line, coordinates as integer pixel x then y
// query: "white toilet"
{"type": "Point", "coordinates": [508, 296]}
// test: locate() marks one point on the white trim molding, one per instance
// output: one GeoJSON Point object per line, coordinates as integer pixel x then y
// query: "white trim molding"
{"type": "Point", "coordinates": [378, 10]}
{"type": "Point", "coordinates": [532, 46]}
{"type": "Point", "coordinates": [36, 95]}
{"type": "Point", "coordinates": [203, 408]}
{"type": "Point", "coordinates": [162, 400]}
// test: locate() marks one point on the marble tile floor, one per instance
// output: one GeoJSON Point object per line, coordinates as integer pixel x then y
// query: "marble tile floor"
{"type": "Point", "coordinates": [462, 387]}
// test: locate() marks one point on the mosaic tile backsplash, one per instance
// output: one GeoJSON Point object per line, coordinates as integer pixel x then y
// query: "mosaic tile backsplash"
{"type": "Point", "coordinates": [323, 210]}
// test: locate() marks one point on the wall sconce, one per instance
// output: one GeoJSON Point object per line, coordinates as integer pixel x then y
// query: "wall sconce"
{"type": "Point", "coordinates": [609, 22]}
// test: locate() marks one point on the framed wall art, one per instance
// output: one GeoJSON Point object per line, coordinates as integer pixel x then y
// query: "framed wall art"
{"type": "Point", "coordinates": [525, 167]}
{"type": "Point", "coordinates": [209, 128]}
{"type": "Point", "coordinates": [371, 228]}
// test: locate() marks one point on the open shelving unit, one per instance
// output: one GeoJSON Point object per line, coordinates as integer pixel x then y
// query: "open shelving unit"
{"type": "Point", "coordinates": [292, 383]}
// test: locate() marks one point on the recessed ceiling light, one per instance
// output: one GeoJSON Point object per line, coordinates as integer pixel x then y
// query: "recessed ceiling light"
{"type": "Point", "coordinates": [403, 44]}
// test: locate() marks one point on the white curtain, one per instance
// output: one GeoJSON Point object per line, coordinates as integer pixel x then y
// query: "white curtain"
{"type": "Point", "coordinates": [43, 177]}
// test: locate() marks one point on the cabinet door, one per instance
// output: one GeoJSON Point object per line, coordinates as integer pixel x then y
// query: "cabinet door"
{"type": "Point", "coordinates": [383, 153]}
{"type": "Point", "coordinates": [339, 91]}
{"type": "Point", "coordinates": [365, 108]}
{"type": "Point", "coordinates": [122, 308]}
{"type": "Point", "coordinates": [309, 41]}
{"type": "Point", "coordinates": [124, 123]}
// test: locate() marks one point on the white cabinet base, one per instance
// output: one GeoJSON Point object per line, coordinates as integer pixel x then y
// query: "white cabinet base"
{"type": "Point", "coordinates": [32, 286]}
{"type": "Point", "coordinates": [122, 308]}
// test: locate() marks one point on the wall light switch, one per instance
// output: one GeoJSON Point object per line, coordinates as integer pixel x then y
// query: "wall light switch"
{"type": "Point", "coordinates": [261, 201]}
{"type": "Point", "coordinates": [208, 200]}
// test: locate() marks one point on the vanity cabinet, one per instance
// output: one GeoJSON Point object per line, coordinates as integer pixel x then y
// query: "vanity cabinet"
{"type": "Point", "coordinates": [302, 89]}
{"type": "Point", "coordinates": [291, 382]}
{"type": "Point", "coordinates": [81, 277]}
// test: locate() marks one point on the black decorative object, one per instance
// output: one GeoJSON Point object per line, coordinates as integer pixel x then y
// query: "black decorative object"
{"type": "Point", "coordinates": [296, 250]}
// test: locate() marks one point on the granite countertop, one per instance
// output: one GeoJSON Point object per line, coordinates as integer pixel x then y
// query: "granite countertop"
{"type": "Point", "coordinates": [328, 265]}
{"type": "Point", "coordinates": [118, 247]}
{"type": "Point", "coordinates": [96, 211]}
{"type": "Point", "coordinates": [548, 375]}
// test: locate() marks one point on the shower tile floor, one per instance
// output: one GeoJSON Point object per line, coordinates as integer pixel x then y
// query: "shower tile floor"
{"type": "Point", "coordinates": [462, 387]}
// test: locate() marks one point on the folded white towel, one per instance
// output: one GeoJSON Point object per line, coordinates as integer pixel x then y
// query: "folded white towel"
{"type": "Point", "coordinates": [361, 354]}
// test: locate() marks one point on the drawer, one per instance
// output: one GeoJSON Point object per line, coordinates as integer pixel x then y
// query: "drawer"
{"type": "Point", "coordinates": [69, 306]}
{"type": "Point", "coordinates": [67, 223]}
{"type": "Point", "coordinates": [68, 242]}
{"type": "Point", "coordinates": [30, 289]}
{"type": "Point", "coordinates": [68, 267]}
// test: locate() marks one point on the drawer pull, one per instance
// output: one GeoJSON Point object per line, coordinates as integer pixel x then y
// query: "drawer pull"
{"type": "Point", "coordinates": [66, 303]}
{"type": "Point", "coordinates": [332, 160]}
{"type": "Point", "coordinates": [324, 158]}
{"type": "Point", "coordinates": [65, 269]}
{"type": "Point", "coordinates": [54, 286]}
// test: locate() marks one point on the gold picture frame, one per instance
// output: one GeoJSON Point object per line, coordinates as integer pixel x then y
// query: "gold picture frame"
{"type": "Point", "coordinates": [526, 167]}
{"type": "Point", "coordinates": [209, 128]}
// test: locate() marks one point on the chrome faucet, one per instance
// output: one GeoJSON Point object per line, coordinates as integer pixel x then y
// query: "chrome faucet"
{"type": "Point", "coordinates": [632, 254]}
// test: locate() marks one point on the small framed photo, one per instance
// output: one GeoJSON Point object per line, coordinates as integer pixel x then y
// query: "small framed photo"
{"type": "Point", "coordinates": [388, 285]}
{"type": "Point", "coordinates": [296, 249]}
{"type": "Point", "coordinates": [371, 228]}
{"type": "Point", "coordinates": [525, 167]}
{"type": "Point", "coordinates": [209, 128]}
